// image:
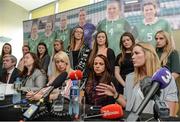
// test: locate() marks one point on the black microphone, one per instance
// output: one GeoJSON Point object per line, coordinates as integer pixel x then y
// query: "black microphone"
{"type": "Point", "coordinates": [59, 80]}
{"type": "Point", "coordinates": [160, 79]}
{"type": "Point", "coordinates": [30, 112]}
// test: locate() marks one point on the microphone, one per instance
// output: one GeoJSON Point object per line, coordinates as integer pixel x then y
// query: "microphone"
{"type": "Point", "coordinates": [111, 111]}
{"type": "Point", "coordinates": [160, 80]}
{"type": "Point", "coordinates": [30, 112]}
{"type": "Point", "coordinates": [59, 80]}
{"type": "Point", "coordinates": [76, 75]}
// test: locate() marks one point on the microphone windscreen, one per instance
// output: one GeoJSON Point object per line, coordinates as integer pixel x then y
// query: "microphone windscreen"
{"type": "Point", "coordinates": [79, 74]}
{"type": "Point", "coordinates": [112, 111]}
{"type": "Point", "coordinates": [72, 75]}
{"type": "Point", "coordinates": [59, 80]}
{"type": "Point", "coordinates": [145, 85]}
{"type": "Point", "coordinates": [163, 77]}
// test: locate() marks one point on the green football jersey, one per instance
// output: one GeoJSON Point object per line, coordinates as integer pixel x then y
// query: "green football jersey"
{"type": "Point", "coordinates": [146, 33]}
{"type": "Point", "coordinates": [33, 44]}
{"type": "Point", "coordinates": [114, 30]}
{"type": "Point", "coordinates": [49, 41]}
{"type": "Point", "coordinates": [64, 36]}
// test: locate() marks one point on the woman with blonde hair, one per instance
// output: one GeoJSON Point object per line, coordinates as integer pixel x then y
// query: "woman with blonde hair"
{"type": "Point", "coordinates": [146, 63]}
{"type": "Point", "coordinates": [61, 64]}
{"type": "Point", "coordinates": [165, 48]}
{"type": "Point", "coordinates": [167, 53]}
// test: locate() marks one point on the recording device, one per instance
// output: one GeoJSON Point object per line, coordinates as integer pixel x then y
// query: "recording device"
{"type": "Point", "coordinates": [111, 111]}
{"type": "Point", "coordinates": [59, 102]}
{"type": "Point", "coordinates": [29, 113]}
{"type": "Point", "coordinates": [160, 80]}
{"type": "Point", "coordinates": [160, 108]}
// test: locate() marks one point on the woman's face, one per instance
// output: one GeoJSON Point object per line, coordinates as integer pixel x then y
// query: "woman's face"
{"type": "Point", "coordinates": [113, 10]}
{"type": "Point", "coordinates": [61, 65]}
{"type": "Point", "coordinates": [7, 49]}
{"type": "Point", "coordinates": [101, 39]}
{"type": "Point", "coordinates": [149, 12]}
{"type": "Point", "coordinates": [28, 60]}
{"type": "Point", "coordinates": [127, 42]}
{"type": "Point", "coordinates": [48, 26]}
{"type": "Point", "coordinates": [57, 46]}
{"type": "Point", "coordinates": [138, 56]}
{"type": "Point", "coordinates": [25, 50]}
{"type": "Point", "coordinates": [78, 34]}
{"type": "Point", "coordinates": [161, 40]}
{"type": "Point", "coordinates": [41, 49]}
{"type": "Point", "coordinates": [34, 29]}
{"type": "Point", "coordinates": [99, 65]}
{"type": "Point", "coordinates": [82, 17]}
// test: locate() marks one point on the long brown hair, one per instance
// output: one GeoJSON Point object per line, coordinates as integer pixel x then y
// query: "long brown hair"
{"type": "Point", "coordinates": [123, 49]}
{"type": "Point", "coordinates": [2, 52]}
{"type": "Point", "coordinates": [73, 42]}
{"type": "Point", "coordinates": [95, 48]}
{"type": "Point", "coordinates": [35, 65]}
{"type": "Point", "coordinates": [105, 78]}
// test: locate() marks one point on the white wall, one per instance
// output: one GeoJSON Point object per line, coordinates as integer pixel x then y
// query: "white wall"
{"type": "Point", "coordinates": [11, 25]}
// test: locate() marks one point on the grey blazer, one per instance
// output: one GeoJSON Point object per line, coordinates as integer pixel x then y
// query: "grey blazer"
{"type": "Point", "coordinates": [34, 82]}
{"type": "Point", "coordinates": [134, 95]}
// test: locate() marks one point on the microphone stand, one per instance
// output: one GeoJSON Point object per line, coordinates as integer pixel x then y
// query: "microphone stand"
{"type": "Point", "coordinates": [160, 109]}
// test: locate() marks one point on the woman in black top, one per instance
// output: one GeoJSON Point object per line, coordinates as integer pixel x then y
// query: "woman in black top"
{"type": "Point", "coordinates": [101, 47]}
{"type": "Point", "coordinates": [78, 51]}
{"type": "Point", "coordinates": [43, 56]}
{"type": "Point", "coordinates": [6, 49]}
{"type": "Point", "coordinates": [101, 74]}
{"type": "Point", "coordinates": [123, 64]}
{"type": "Point", "coordinates": [167, 53]}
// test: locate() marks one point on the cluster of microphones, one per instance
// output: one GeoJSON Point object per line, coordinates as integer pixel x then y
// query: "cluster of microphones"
{"type": "Point", "coordinates": [159, 80]}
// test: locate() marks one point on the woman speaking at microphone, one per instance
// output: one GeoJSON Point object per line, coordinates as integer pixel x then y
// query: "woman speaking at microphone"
{"type": "Point", "coordinates": [146, 63]}
{"type": "Point", "coordinates": [61, 65]}
{"type": "Point", "coordinates": [101, 74]}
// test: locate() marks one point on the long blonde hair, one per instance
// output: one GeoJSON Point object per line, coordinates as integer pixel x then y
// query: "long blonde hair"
{"type": "Point", "coordinates": [62, 56]}
{"type": "Point", "coordinates": [168, 48]}
{"type": "Point", "coordinates": [151, 65]}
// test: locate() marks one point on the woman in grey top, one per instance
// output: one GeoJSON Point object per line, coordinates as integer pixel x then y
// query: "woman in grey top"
{"type": "Point", "coordinates": [146, 63]}
{"type": "Point", "coordinates": [32, 77]}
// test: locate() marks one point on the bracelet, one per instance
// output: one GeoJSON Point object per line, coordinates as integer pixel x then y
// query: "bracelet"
{"type": "Point", "coordinates": [116, 97]}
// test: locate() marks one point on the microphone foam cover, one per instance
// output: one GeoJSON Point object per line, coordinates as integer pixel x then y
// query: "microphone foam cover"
{"type": "Point", "coordinates": [163, 77]}
{"type": "Point", "coordinates": [112, 111]}
{"type": "Point", "coordinates": [79, 74]}
{"type": "Point", "coordinates": [72, 75]}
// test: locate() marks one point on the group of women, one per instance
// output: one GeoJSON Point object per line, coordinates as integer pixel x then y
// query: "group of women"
{"type": "Point", "coordinates": [108, 80]}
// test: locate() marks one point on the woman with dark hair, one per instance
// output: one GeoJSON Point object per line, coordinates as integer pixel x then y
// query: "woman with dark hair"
{"type": "Point", "coordinates": [43, 56]}
{"type": "Point", "coordinates": [25, 49]}
{"type": "Point", "coordinates": [78, 51]}
{"type": "Point", "coordinates": [101, 74]}
{"type": "Point", "coordinates": [123, 64]}
{"type": "Point", "coordinates": [6, 49]}
{"type": "Point", "coordinates": [101, 47]}
{"type": "Point", "coordinates": [32, 77]}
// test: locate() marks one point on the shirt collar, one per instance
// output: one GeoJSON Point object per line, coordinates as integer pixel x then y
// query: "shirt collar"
{"type": "Point", "coordinates": [150, 23]}
{"type": "Point", "coordinates": [10, 72]}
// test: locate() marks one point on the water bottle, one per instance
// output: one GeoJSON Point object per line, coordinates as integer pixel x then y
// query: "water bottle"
{"type": "Point", "coordinates": [17, 93]}
{"type": "Point", "coordinates": [74, 99]}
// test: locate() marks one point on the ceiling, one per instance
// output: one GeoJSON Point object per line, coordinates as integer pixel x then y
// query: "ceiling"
{"type": "Point", "coordinates": [31, 4]}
